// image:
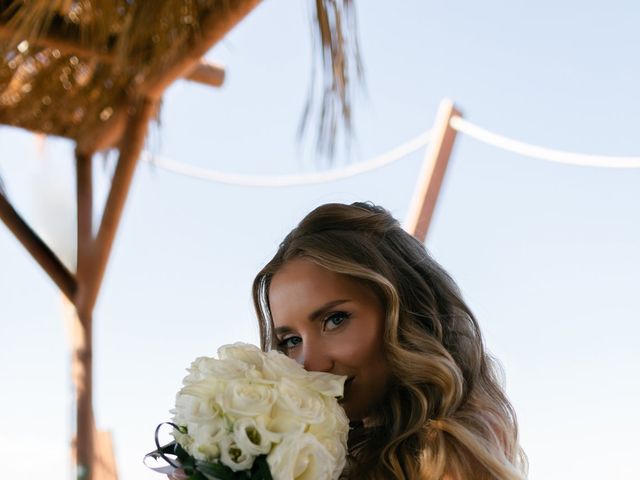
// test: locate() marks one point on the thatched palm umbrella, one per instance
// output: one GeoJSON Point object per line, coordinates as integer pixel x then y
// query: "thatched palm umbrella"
{"type": "Point", "coordinates": [94, 71]}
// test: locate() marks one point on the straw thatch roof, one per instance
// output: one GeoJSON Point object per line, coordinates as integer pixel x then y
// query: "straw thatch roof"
{"type": "Point", "coordinates": [73, 68]}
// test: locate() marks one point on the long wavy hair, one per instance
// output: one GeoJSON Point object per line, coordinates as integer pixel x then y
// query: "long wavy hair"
{"type": "Point", "coordinates": [446, 414]}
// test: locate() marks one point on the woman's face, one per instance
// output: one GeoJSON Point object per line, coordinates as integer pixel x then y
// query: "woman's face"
{"type": "Point", "coordinates": [330, 322]}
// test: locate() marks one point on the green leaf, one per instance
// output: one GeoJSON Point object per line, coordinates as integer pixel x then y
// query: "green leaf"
{"type": "Point", "coordinates": [215, 471]}
{"type": "Point", "coordinates": [260, 470]}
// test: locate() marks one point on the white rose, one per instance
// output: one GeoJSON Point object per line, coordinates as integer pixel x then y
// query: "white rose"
{"type": "Point", "coordinates": [252, 436]}
{"type": "Point", "coordinates": [233, 456]}
{"type": "Point", "coordinates": [282, 422]}
{"type": "Point", "coordinates": [244, 352]}
{"type": "Point", "coordinates": [301, 457]}
{"type": "Point", "coordinates": [206, 440]}
{"type": "Point", "coordinates": [336, 421]}
{"type": "Point", "coordinates": [205, 368]}
{"type": "Point", "coordinates": [277, 365]}
{"type": "Point", "coordinates": [333, 431]}
{"type": "Point", "coordinates": [249, 398]}
{"type": "Point", "coordinates": [327, 383]}
{"type": "Point", "coordinates": [192, 407]}
{"type": "Point", "coordinates": [301, 402]}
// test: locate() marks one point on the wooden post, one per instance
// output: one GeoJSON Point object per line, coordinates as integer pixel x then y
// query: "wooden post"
{"type": "Point", "coordinates": [83, 347]}
{"type": "Point", "coordinates": [83, 363]}
{"type": "Point", "coordinates": [84, 198]}
{"type": "Point", "coordinates": [103, 463]}
{"type": "Point", "coordinates": [433, 169]}
{"type": "Point", "coordinates": [131, 146]}
{"type": "Point", "coordinates": [39, 250]}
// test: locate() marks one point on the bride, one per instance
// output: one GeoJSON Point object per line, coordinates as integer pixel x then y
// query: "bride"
{"type": "Point", "coordinates": [351, 293]}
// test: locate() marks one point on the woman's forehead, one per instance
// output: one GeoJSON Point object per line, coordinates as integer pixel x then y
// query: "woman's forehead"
{"type": "Point", "coordinates": [302, 277]}
{"type": "Point", "coordinates": [301, 287]}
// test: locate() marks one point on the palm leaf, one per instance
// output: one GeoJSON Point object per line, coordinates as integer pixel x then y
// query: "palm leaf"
{"type": "Point", "coordinates": [337, 49]}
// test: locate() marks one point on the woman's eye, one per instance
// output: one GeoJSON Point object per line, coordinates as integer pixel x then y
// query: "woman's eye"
{"type": "Point", "coordinates": [289, 343]}
{"type": "Point", "coordinates": [336, 319]}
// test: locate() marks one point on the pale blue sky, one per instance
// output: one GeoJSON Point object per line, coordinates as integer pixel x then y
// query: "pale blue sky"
{"type": "Point", "coordinates": [546, 255]}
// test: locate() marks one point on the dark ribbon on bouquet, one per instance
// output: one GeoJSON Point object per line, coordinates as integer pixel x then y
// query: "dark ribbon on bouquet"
{"type": "Point", "coordinates": [163, 452]}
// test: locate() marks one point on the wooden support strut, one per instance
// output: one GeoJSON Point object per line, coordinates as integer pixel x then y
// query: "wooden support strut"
{"type": "Point", "coordinates": [130, 149]}
{"type": "Point", "coordinates": [39, 250]}
{"type": "Point", "coordinates": [433, 169]}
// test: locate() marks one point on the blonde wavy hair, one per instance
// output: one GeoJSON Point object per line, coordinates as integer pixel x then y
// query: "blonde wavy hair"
{"type": "Point", "coordinates": [446, 415]}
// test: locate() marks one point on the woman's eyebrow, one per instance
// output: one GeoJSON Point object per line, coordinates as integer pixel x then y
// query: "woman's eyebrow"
{"type": "Point", "coordinates": [281, 330]}
{"type": "Point", "coordinates": [312, 316]}
{"type": "Point", "coordinates": [327, 306]}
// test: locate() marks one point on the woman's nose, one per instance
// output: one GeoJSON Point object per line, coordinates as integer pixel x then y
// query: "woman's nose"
{"type": "Point", "coordinates": [315, 358]}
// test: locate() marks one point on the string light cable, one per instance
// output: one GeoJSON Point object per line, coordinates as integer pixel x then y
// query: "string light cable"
{"type": "Point", "coordinates": [543, 153]}
{"type": "Point", "coordinates": [244, 180]}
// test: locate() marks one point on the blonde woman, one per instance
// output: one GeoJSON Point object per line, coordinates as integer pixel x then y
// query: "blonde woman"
{"type": "Point", "coordinates": [351, 293]}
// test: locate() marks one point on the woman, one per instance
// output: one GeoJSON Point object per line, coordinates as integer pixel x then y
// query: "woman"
{"type": "Point", "coordinates": [351, 293]}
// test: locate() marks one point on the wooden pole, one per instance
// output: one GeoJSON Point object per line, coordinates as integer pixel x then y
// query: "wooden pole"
{"type": "Point", "coordinates": [434, 166]}
{"type": "Point", "coordinates": [84, 199]}
{"type": "Point", "coordinates": [39, 250]}
{"type": "Point", "coordinates": [83, 363]}
{"type": "Point", "coordinates": [104, 464]}
{"type": "Point", "coordinates": [132, 144]}
{"type": "Point", "coordinates": [83, 347]}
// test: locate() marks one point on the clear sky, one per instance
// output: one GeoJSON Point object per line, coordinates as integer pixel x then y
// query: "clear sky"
{"type": "Point", "coordinates": [546, 254]}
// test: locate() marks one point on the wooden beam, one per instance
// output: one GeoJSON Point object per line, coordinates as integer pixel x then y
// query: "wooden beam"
{"type": "Point", "coordinates": [213, 27]}
{"type": "Point", "coordinates": [207, 73]}
{"type": "Point", "coordinates": [39, 250]}
{"type": "Point", "coordinates": [433, 169]}
{"type": "Point", "coordinates": [130, 149]}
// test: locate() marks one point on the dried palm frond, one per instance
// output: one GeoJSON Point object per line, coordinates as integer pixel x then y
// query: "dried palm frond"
{"type": "Point", "coordinates": [336, 47]}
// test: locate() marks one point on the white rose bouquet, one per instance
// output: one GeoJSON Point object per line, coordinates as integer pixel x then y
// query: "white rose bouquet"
{"type": "Point", "coordinates": [258, 416]}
